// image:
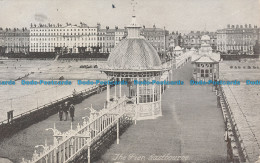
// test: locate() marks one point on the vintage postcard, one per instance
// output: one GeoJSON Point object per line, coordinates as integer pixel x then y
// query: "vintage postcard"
{"type": "Point", "coordinates": [129, 81]}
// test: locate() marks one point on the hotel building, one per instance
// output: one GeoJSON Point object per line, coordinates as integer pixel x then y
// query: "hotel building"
{"type": "Point", "coordinates": [58, 38]}
{"type": "Point", "coordinates": [14, 40]}
{"type": "Point", "coordinates": [237, 39]}
{"type": "Point", "coordinates": [157, 37]}
{"type": "Point", "coordinates": [193, 39]}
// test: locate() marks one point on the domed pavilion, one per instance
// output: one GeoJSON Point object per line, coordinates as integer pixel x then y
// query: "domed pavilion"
{"type": "Point", "coordinates": [205, 62]}
{"type": "Point", "coordinates": [178, 51]}
{"type": "Point", "coordinates": [132, 60]}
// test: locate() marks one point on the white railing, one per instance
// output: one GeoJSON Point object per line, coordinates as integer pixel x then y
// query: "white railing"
{"type": "Point", "coordinates": [183, 59]}
{"type": "Point", "coordinates": [69, 144]}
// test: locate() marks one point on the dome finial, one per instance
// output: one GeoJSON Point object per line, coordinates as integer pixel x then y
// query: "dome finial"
{"type": "Point", "coordinates": [133, 29]}
{"type": "Point", "coordinates": [205, 28]}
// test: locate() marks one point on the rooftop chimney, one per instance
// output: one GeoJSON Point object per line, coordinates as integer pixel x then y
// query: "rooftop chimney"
{"type": "Point", "coordinates": [241, 26]}
{"type": "Point", "coordinates": [245, 25]}
{"type": "Point", "coordinates": [250, 26]}
{"type": "Point", "coordinates": [228, 26]}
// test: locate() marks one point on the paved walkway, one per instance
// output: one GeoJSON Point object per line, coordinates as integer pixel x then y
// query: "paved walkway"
{"type": "Point", "coordinates": [191, 126]}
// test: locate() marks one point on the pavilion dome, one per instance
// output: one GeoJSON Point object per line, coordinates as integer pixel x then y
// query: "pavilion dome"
{"type": "Point", "coordinates": [177, 48]}
{"type": "Point", "coordinates": [192, 49]}
{"type": "Point", "coordinates": [205, 38]}
{"type": "Point", "coordinates": [133, 54]}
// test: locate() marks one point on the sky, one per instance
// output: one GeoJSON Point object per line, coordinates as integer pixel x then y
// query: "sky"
{"type": "Point", "coordinates": [181, 15]}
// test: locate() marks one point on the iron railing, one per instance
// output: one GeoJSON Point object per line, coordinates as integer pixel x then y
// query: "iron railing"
{"type": "Point", "coordinates": [69, 145]}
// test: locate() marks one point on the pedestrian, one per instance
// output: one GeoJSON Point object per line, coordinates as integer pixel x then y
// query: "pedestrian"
{"type": "Point", "coordinates": [60, 112]}
{"type": "Point", "coordinates": [66, 110]}
{"type": "Point", "coordinates": [72, 111]}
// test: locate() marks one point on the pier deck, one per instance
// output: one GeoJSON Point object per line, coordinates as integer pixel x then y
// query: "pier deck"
{"type": "Point", "coordinates": [22, 144]}
{"type": "Point", "coordinates": [191, 126]}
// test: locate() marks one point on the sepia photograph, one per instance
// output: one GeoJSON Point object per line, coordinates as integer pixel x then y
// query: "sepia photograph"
{"type": "Point", "coordinates": [129, 81]}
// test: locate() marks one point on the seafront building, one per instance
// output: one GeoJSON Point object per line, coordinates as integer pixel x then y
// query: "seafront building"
{"type": "Point", "coordinates": [101, 37]}
{"type": "Point", "coordinates": [73, 38]}
{"type": "Point", "coordinates": [175, 39]}
{"type": "Point", "coordinates": [82, 38]}
{"type": "Point", "coordinates": [112, 38]}
{"type": "Point", "coordinates": [194, 39]}
{"type": "Point", "coordinates": [239, 38]}
{"type": "Point", "coordinates": [14, 40]}
{"type": "Point", "coordinates": [58, 38]}
{"type": "Point", "coordinates": [157, 37]}
{"type": "Point", "coordinates": [119, 35]}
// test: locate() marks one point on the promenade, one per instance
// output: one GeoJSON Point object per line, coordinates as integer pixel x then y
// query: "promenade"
{"type": "Point", "coordinates": [191, 126]}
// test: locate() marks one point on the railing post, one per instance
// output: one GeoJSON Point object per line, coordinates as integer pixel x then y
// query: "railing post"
{"type": "Point", "coordinates": [88, 153]}
{"type": "Point", "coordinates": [108, 92]}
{"type": "Point", "coordinates": [135, 116]}
{"type": "Point", "coordinates": [55, 154]}
{"type": "Point", "coordinates": [117, 131]}
{"type": "Point", "coordinates": [163, 87]}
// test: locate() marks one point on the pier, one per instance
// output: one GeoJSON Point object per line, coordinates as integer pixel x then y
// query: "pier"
{"type": "Point", "coordinates": [190, 120]}
{"type": "Point", "coordinates": [14, 124]}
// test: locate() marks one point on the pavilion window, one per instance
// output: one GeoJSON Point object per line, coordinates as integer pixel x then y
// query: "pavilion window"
{"type": "Point", "coordinates": [202, 73]}
{"type": "Point", "coordinates": [206, 73]}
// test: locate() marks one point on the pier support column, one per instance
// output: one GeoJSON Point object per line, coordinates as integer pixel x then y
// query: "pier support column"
{"type": "Point", "coordinates": [108, 92]}
{"type": "Point", "coordinates": [137, 92]}
{"type": "Point", "coordinates": [137, 101]}
{"type": "Point", "coordinates": [89, 153]}
{"type": "Point", "coordinates": [153, 88]}
{"type": "Point", "coordinates": [160, 93]}
{"type": "Point", "coordinates": [153, 105]}
{"type": "Point", "coordinates": [115, 87]}
{"type": "Point", "coordinates": [120, 88]}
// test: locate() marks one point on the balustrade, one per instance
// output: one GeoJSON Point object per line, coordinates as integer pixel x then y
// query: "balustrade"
{"type": "Point", "coordinates": [67, 145]}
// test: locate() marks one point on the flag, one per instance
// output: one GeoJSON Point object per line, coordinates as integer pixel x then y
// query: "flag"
{"type": "Point", "coordinates": [113, 6]}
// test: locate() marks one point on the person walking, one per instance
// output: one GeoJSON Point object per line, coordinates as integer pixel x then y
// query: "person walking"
{"type": "Point", "coordinates": [66, 110]}
{"type": "Point", "coordinates": [60, 112]}
{"type": "Point", "coordinates": [72, 111]}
